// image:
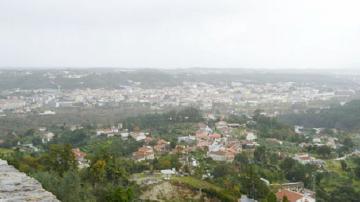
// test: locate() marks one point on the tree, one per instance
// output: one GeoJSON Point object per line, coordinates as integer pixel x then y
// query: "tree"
{"type": "Point", "coordinates": [97, 171]}
{"type": "Point", "coordinates": [285, 199]}
{"type": "Point", "coordinates": [324, 151]}
{"type": "Point", "coordinates": [343, 165]}
{"type": "Point", "coordinates": [344, 193]}
{"type": "Point", "coordinates": [287, 164]}
{"type": "Point", "coordinates": [71, 188]}
{"type": "Point", "coordinates": [76, 138]}
{"type": "Point", "coordinates": [68, 188]}
{"type": "Point", "coordinates": [30, 132]}
{"type": "Point", "coordinates": [260, 154]}
{"type": "Point", "coordinates": [271, 197]}
{"type": "Point", "coordinates": [60, 158]}
{"type": "Point", "coordinates": [357, 172]}
{"type": "Point", "coordinates": [120, 194]}
{"type": "Point", "coordinates": [221, 170]}
{"type": "Point", "coordinates": [348, 144]}
{"type": "Point", "coordinates": [241, 159]}
{"type": "Point", "coordinates": [36, 141]}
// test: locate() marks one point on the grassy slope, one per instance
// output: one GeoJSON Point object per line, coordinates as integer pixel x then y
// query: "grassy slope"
{"type": "Point", "coordinates": [338, 176]}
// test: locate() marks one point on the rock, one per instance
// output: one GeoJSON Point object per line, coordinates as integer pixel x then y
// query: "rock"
{"type": "Point", "coordinates": [17, 186]}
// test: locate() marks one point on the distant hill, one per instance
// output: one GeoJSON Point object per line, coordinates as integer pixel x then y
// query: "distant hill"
{"type": "Point", "coordinates": [154, 78]}
{"type": "Point", "coordinates": [346, 117]}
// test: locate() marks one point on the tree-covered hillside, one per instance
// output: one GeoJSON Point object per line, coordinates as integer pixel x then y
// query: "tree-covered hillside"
{"type": "Point", "coordinates": [346, 117]}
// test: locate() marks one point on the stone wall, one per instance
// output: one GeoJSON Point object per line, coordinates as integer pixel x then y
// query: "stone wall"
{"type": "Point", "coordinates": [17, 186]}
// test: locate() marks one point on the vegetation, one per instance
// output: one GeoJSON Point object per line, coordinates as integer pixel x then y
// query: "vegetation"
{"type": "Point", "coordinates": [344, 117]}
{"type": "Point", "coordinates": [206, 187]}
{"type": "Point", "coordinates": [108, 176]}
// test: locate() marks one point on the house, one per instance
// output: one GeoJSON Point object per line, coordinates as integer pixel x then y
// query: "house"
{"type": "Point", "coordinates": [221, 155]}
{"type": "Point", "coordinates": [307, 159]}
{"type": "Point", "coordinates": [47, 112]}
{"type": "Point", "coordinates": [303, 158]}
{"type": "Point", "coordinates": [215, 146]}
{"type": "Point", "coordinates": [248, 144]}
{"type": "Point", "coordinates": [80, 158]}
{"type": "Point", "coordinates": [180, 149]}
{"type": "Point", "coordinates": [299, 129]}
{"type": "Point", "coordinates": [144, 153]}
{"type": "Point", "coordinates": [161, 145]}
{"type": "Point", "coordinates": [234, 146]}
{"type": "Point", "coordinates": [234, 125]}
{"type": "Point", "coordinates": [138, 136]}
{"type": "Point", "coordinates": [221, 125]}
{"type": "Point", "coordinates": [201, 134]}
{"type": "Point", "coordinates": [167, 173]}
{"type": "Point", "coordinates": [204, 127]}
{"type": "Point", "coordinates": [250, 136]}
{"type": "Point", "coordinates": [109, 132]}
{"type": "Point", "coordinates": [316, 140]}
{"type": "Point", "coordinates": [214, 136]}
{"type": "Point", "coordinates": [27, 147]}
{"type": "Point", "coordinates": [187, 139]}
{"type": "Point", "coordinates": [124, 135]}
{"type": "Point", "coordinates": [217, 155]}
{"type": "Point", "coordinates": [42, 129]}
{"type": "Point", "coordinates": [293, 196]}
{"type": "Point", "coordinates": [148, 139]}
{"type": "Point", "coordinates": [245, 198]}
{"type": "Point", "coordinates": [203, 144]}
{"type": "Point", "coordinates": [75, 127]}
{"type": "Point", "coordinates": [47, 137]}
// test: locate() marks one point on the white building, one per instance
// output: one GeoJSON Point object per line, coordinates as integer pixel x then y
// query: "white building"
{"type": "Point", "coordinates": [250, 136]}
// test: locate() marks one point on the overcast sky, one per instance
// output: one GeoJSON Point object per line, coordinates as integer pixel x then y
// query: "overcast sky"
{"type": "Point", "coordinates": [180, 33]}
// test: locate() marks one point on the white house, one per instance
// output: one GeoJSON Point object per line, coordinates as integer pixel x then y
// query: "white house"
{"type": "Point", "coordinates": [250, 136]}
{"type": "Point", "coordinates": [138, 136]}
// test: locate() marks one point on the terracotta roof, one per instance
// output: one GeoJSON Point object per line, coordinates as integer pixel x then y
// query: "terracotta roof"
{"type": "Point", "coordinates": [201, 134]}
{"type": "Point", "coordinates": [143, 151]}
{"type": "Point", "coordinates": [161, 141]}
{"type": "Point", "coordinates": [215, 136]}
{"type": "Point", "coordinates": [203, 144]}
{"type": "Point", "coordinates": [291, 195]}
{"type": "Point", "coordinates": [78, 154]}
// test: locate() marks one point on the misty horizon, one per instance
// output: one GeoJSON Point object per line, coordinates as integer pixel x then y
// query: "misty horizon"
{"type": "Point", "coordinates": [161, 34]}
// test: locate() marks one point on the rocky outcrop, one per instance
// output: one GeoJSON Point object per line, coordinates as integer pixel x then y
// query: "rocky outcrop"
{"type": "Point", "coordinates": [17, 186]}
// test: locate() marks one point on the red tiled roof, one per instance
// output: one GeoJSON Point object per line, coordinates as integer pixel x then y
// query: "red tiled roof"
{"type": "Point", "coordinates": [291, 195]}
{"type": "Point", "coordinates": [201, 134]}
{"type": "Point", "coordinates": [77, 153]}
{"type": "Point", "coordinates": [215, 136]}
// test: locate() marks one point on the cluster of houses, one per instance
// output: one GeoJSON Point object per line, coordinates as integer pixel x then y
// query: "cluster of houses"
{"type": "Point", "coordinates": [219, 145]}
{"type": "Point", "coordinates": [147, 152]}
{"type": "Point", "coordinates": [319, 138]}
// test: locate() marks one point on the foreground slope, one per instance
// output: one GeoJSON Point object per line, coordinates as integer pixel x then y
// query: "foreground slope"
{"type": "Point", "coordinates": [17, 186]}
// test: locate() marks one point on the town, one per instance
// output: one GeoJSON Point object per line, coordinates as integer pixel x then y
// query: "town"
{"type": "Point", "coordinates": [234, 96]}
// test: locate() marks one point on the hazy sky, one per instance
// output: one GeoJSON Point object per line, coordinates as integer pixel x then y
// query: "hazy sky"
{"type": "Point", "coordinates": [180, 33]}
